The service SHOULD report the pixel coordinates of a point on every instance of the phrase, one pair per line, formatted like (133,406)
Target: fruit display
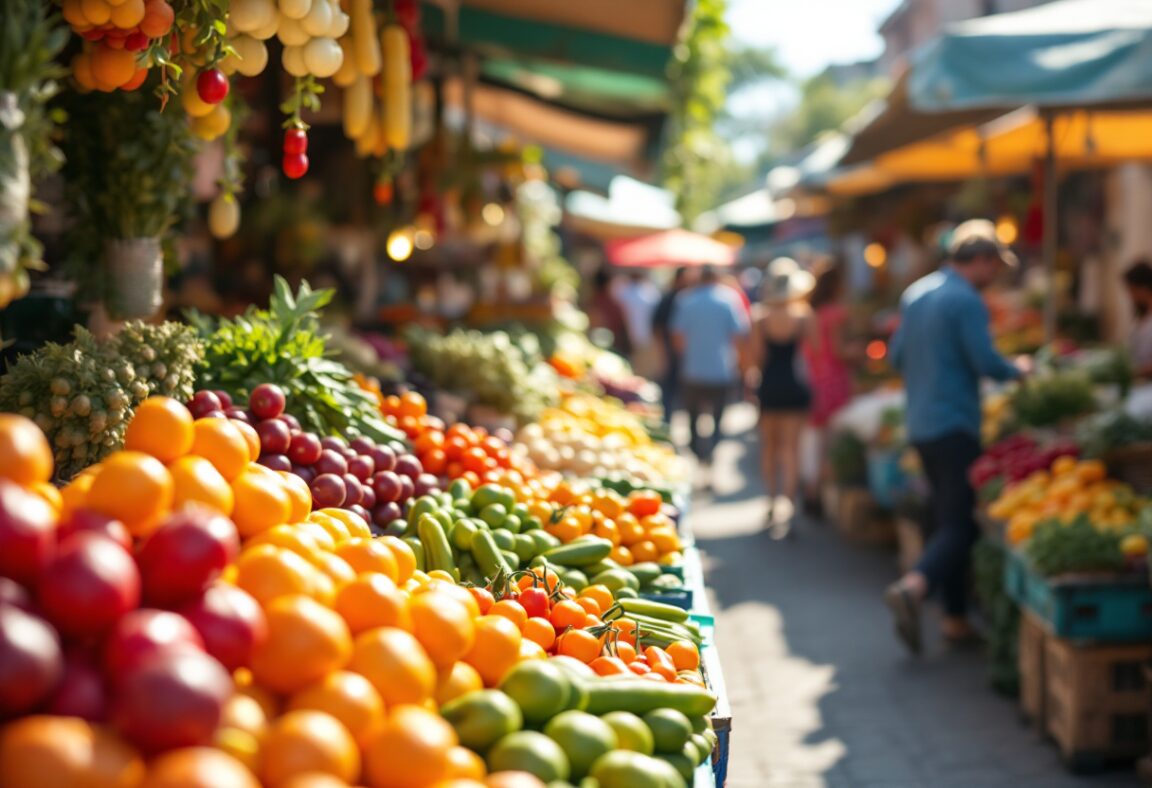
(1014,459)
(1070,491)
(588,436)
(488,369)
(82,394)
(282,345)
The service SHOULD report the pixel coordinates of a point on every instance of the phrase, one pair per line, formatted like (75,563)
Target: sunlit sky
(807,36)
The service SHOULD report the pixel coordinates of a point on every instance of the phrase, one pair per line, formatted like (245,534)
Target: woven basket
(1132,465)
(135,277)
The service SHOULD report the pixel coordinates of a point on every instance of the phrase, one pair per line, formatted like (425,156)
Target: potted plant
(30,38)
(128,168)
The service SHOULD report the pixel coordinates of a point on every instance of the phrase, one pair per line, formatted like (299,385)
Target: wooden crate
(860,520)
(910,540)
(1096,701)
(830,500)
(1031,661)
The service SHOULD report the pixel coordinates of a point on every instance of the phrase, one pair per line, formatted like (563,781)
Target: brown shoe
(905,607)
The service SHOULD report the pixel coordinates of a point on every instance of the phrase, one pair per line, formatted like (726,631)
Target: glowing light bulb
(875,255)
(400,244)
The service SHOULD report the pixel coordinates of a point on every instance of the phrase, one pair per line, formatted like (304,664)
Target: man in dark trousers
(943,349)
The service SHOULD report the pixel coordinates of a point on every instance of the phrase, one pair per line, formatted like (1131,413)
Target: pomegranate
(30,661)
(88,520)
(185,554)
(90,583)
(230,622)
(27,533)
(142,634)
(81,691)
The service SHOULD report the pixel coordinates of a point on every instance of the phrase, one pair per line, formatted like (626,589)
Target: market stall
(413,529)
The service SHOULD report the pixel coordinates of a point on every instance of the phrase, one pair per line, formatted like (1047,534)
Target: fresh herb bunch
(31,37)
(1056,548)
(1047,400)
(1113,430)
(283,345)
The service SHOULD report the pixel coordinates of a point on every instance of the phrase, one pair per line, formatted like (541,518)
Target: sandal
(905,609)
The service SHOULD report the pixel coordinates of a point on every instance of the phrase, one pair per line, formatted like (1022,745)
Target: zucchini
(582,553)
(437,551)
(488,556)
(640,697)
(417,550)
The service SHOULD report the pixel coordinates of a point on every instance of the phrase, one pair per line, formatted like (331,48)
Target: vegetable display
(282,345)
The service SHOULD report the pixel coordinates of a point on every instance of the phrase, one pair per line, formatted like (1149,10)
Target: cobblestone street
(821,694)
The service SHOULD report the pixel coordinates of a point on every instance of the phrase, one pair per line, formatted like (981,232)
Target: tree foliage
(825,105)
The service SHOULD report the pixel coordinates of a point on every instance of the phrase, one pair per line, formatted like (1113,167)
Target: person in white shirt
(1138,279)
(638,297)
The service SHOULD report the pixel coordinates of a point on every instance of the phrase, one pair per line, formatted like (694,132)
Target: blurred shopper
(708,329)
(943,348)
(604,312)
(828,358)
(662,332)
(732,283)
(1138,279)
(638,297)
(782,323)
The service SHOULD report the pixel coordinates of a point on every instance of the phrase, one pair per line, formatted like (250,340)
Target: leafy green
(283,345)
(1047,400)
(1077,547)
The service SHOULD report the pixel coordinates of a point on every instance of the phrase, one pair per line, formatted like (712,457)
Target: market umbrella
(1063,56)
(669,248)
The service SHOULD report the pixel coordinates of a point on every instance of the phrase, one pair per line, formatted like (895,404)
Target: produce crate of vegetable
(1096,705)
(1109,608)
(1030,651)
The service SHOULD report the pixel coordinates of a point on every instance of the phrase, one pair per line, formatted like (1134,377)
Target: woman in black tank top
(782,323)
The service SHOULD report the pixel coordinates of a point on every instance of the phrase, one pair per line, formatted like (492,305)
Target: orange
(336,529)
(456,681)
(25,456)
(298,495)
(313,780)
(195,480)
(261,500)
(665,539)
(630,529)
(396,664)
(222,444)
(567,613)
(269,571)
(44,752)
(349,697)
(540,631)
(412,749)
(465,764)
(112,68)
(684,654)
(530,649)
(198,767)
(405,558)
(496,649)
(443,626)
(412,404)
(306,641)
(356,525)
(317,532)
(367,555)
(590,605)
(305,741)
(250,437)
(300,541)
(161,427)
(74,495)
(645,551)
(133,487)
(517,779)
(511,610)
(269,703)
(372,600)
(601,594)
(127,14)
(337,570)
(578,643)
(448,586)
(607,529)
(566,530)
(158,19)
(50,493)
(244,713)
(96,12)
(622,555)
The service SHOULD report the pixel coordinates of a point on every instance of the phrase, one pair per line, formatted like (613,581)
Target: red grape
(426,484)
(276,462)
(362,467)
(353,490)
(328,490)
(362,445)
(407,465)
(365,515)
(332,443)
(305,448)
(292,422)
(367,495)
(203,402)
(407,489)
(387,487)
(331,462)
(304,472)
(384,458)
(225,399)
(274,436)
(267,401)
(238,414)
(385,513)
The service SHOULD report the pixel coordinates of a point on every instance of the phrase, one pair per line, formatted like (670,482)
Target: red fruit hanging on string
(212,86)
(295,165)
(295,142)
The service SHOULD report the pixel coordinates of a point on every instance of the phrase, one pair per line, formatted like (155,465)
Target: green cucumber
(586,552)
(437,551)
(488,556)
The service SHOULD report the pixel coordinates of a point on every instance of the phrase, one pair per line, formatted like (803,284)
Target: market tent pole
(1051,235)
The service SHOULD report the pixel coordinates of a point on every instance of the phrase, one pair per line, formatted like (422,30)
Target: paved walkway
(820,692)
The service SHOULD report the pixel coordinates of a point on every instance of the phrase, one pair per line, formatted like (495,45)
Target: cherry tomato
(295,165)
(295,141)
(535,602)
(212,85)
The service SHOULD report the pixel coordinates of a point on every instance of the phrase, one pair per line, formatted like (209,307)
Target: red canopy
(669,248)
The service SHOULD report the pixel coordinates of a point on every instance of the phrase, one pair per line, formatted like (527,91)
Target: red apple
(230,622)
(175,699)
(81,691)
(185,554)
(30,661)
(88,520)
(90,583)
(140,635)
(27,533)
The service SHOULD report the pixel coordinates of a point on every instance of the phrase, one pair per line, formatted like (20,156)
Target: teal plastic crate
(681,598)
(1114,609)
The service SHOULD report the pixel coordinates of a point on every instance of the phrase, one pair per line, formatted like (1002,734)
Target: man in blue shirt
(708,328)
(943,349)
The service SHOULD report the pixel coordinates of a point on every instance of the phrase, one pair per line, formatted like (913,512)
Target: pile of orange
(169,459)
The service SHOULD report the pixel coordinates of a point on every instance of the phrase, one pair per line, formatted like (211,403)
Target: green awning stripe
(595,89)
(499,34)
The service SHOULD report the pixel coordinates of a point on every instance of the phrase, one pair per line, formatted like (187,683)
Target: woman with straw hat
(782,322)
